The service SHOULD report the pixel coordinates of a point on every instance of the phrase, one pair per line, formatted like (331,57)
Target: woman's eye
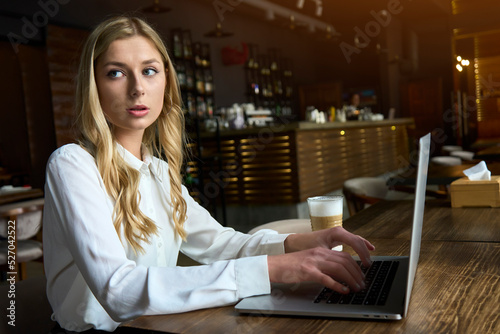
(150,71)
(115,74)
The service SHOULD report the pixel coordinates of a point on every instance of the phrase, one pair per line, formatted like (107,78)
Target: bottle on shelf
(187,51)
(287,78)
(197,53)
(269,81)
(177,43)
(208,79)
(265,82)
(275,73)
(191,104)
(190,79)
(201,107)
(193,66)
(210,106)
(205,55)
(252,75)
(181,73)
(200,81)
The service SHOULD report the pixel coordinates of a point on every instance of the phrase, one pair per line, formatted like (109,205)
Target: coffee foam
(324,206)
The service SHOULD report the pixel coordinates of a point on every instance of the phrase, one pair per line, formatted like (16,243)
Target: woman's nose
(136,86)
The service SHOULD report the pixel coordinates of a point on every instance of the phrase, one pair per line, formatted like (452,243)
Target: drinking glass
(326,212)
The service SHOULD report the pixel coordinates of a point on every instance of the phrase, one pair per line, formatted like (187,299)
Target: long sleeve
(208,241)
(94,280)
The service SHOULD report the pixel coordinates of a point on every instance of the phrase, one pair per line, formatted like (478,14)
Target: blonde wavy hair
(164,138)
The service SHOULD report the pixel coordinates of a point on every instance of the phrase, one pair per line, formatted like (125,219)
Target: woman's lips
(138,110)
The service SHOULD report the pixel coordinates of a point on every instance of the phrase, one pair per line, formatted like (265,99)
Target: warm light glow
(342,132)
(459,67)
(465,62)
(319,9)
(459,58)
(393,128)
(270,15)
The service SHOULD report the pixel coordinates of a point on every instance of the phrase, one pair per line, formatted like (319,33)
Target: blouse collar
(143,166)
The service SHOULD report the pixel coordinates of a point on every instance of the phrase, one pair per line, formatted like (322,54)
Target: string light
(461,63)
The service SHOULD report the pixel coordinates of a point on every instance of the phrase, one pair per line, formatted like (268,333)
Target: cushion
(27,250)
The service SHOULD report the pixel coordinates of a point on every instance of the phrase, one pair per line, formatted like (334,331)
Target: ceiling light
(298,18)
(156,8)
(218,32)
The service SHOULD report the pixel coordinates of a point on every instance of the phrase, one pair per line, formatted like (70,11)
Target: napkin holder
(481,193)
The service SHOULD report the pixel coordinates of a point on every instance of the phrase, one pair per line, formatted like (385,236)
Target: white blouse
(95,280)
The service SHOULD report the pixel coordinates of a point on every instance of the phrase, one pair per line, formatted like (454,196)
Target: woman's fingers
(309,257)
(360,245)
(330,283)
(332,275)
(325,266)
(344,269)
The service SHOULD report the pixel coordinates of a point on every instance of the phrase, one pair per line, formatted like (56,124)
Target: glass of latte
(326,212)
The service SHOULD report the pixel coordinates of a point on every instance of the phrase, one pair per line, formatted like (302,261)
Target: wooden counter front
(285,164)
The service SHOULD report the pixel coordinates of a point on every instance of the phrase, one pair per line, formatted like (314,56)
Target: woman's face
(131,82)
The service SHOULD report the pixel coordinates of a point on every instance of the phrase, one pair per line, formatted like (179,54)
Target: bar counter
(286,163)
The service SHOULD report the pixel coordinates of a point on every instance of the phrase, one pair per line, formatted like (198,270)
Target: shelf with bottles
(269,81)
(194,72)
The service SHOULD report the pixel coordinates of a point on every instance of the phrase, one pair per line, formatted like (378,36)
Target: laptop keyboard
(378,280)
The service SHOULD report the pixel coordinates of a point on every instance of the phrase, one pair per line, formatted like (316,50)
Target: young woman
(116,215)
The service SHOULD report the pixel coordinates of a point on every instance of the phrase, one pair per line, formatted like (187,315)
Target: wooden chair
(464,155)
(446,161)
(362,192)
(19,224)
(447,149)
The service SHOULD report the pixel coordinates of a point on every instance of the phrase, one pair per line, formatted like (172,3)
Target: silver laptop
(386,297)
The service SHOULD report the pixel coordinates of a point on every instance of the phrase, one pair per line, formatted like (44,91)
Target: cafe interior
(267,89)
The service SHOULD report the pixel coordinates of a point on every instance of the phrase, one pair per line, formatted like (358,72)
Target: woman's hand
(309,257)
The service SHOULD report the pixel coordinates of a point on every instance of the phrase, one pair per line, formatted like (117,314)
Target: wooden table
(459,263)
(491,153)
(392,219)
(438,175)
(21,195)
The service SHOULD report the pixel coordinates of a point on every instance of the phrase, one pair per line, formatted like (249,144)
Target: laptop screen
(418,213)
